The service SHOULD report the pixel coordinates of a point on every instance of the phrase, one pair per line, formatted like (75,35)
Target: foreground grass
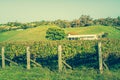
(20,73)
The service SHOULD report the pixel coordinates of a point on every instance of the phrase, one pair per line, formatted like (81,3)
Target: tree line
(86,20)
(83,21)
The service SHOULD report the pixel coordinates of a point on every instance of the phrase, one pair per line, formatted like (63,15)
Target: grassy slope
(25,35)
(38,33)
(112,32)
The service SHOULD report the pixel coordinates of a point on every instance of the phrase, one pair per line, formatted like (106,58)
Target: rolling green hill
(112,32)
(39,33)
(36,34)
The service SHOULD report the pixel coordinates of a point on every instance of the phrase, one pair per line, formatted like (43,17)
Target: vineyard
(75,53)
(42,60)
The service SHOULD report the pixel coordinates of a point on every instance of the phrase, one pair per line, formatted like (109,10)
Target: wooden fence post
(59,58)
(3,57)
(28,58)
(100,58)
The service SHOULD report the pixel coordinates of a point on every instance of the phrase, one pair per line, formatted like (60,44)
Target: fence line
(60,61)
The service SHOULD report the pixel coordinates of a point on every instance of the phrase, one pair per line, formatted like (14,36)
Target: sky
(37,10)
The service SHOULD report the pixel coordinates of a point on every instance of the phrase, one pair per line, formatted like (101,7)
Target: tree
(108,21)
(55,34)
(75,23)
(62,23)
(85,20)
(118,21)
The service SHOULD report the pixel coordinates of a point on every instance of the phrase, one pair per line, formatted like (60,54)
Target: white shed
(82,37)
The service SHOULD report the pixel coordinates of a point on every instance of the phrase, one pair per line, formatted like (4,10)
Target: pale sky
(37,10)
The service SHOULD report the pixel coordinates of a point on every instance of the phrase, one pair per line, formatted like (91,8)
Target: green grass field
(112,32)
(37,73)
(25,35)
(39,33)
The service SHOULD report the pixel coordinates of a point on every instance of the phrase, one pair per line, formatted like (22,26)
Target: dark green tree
(85,20)
(55,34)
(118,21)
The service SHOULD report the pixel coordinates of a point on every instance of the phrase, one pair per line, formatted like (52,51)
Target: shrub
(55,34)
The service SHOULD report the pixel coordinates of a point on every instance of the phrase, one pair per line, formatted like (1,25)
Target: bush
(104,35)
(55,34)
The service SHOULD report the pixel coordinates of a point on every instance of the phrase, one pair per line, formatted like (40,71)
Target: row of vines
(72,51)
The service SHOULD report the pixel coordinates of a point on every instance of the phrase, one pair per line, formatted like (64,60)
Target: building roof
(82,36)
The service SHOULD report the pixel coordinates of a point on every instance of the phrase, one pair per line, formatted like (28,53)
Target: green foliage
(69,48)
(62,23)
(14,26)
(55,34)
